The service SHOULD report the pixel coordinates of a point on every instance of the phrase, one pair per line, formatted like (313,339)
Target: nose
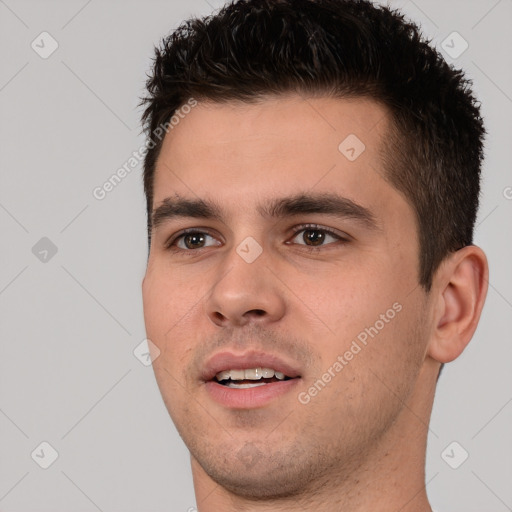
(246,292)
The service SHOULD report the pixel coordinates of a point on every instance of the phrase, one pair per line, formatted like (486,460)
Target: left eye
(315,237)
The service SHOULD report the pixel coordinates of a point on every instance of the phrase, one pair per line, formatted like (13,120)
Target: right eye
(191,240)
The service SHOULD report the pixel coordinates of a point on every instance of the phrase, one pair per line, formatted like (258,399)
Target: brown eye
(194,240)
(313,236)
(316,237)
(189,241)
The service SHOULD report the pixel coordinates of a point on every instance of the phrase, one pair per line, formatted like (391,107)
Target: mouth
(250,377)
(249,380)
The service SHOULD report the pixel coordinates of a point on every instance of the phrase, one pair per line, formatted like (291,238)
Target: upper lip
(230,361)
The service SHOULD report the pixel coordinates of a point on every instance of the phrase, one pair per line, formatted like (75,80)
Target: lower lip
(249,398)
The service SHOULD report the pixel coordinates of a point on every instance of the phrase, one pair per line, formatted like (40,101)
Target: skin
(359,444)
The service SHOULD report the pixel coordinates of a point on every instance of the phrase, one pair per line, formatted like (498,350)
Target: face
(282,290)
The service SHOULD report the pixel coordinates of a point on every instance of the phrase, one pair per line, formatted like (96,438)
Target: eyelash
(170,245)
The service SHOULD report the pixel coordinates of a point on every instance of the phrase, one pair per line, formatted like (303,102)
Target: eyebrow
(326,203)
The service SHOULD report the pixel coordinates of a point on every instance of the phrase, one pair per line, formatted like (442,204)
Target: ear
(460,287)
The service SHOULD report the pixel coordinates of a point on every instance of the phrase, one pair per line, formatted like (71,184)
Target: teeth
(223,375)
(250,374)
(253,373)
(245,386)
(237,374)
(267,373)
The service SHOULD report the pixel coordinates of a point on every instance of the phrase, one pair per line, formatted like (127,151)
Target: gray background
(70,323)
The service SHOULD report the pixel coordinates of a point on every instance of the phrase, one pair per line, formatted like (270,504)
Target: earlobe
(461,284)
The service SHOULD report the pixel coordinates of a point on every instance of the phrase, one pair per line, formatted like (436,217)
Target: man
(312,184)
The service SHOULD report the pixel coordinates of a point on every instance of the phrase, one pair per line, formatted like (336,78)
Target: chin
(252,475)
(261,484)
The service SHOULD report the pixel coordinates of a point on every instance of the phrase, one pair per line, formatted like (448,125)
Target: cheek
(395,343)
(367,312)
(168,305)
(348,298)
(166,310)
(375,365)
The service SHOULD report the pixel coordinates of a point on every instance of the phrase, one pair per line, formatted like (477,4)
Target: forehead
(237,153)
(279,140)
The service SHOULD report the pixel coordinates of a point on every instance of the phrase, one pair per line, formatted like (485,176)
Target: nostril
(238,317)
(258,312)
